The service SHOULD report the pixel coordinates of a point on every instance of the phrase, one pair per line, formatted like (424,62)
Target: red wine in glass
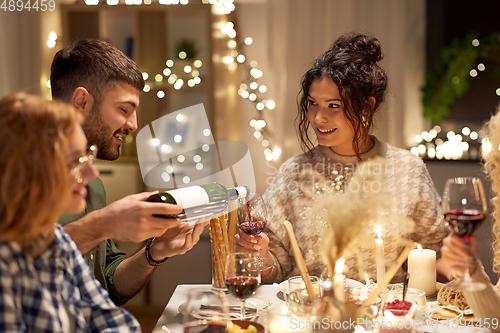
(464,222)
(252,215)
(242,287)
(253,228)
(242,276)
(465,207)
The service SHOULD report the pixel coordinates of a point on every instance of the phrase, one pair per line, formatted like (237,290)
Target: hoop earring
(364,121)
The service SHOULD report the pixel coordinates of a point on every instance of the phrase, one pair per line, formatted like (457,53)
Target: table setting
(237,302)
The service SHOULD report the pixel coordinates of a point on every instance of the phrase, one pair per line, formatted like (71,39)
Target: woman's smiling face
(326,114)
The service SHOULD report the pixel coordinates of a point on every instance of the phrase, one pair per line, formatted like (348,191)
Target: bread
(452,297)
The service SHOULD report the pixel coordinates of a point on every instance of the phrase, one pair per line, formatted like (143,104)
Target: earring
(364,121)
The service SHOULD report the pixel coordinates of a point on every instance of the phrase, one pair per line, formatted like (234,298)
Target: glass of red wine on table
(242,276)
(464,208)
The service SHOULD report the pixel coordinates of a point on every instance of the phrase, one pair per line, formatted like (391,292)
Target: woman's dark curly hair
(351,63)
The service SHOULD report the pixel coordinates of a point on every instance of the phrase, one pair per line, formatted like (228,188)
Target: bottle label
(190,197)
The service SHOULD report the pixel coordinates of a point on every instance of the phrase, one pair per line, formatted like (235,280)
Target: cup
(284,320)
(296,282)
(355,298)
(299,302)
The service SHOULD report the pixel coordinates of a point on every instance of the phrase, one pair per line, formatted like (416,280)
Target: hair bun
(361,44)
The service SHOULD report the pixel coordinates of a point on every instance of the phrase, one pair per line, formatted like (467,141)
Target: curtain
(19,52)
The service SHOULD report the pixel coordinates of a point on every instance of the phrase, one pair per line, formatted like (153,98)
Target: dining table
(170,320)
(268,296)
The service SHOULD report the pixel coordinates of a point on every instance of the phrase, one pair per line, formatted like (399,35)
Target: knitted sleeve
(485,304)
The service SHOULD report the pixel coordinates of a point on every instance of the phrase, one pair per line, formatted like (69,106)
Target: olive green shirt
(105,257)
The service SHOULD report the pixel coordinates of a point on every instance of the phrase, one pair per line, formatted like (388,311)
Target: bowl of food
(413,295)
(244,326)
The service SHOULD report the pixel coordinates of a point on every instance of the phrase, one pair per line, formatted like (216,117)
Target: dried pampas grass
(350,217)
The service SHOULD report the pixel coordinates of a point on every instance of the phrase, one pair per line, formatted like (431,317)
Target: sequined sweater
(287,201)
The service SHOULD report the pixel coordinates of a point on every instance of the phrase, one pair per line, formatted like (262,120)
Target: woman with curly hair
(341,93)
(485,304)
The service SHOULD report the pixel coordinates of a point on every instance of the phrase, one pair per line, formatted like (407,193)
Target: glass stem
(243,309)
(466,278)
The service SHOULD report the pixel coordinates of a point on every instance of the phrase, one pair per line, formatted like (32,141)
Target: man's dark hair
(94,65)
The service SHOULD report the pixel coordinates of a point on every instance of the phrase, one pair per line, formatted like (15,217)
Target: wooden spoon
(299,260)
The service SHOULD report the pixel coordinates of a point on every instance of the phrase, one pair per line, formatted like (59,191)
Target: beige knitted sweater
(287,201)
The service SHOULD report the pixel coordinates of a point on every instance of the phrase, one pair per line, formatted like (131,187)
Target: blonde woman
(45,283)
(485,303)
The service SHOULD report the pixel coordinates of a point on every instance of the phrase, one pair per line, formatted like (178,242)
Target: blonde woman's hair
(33,167)
(492,167)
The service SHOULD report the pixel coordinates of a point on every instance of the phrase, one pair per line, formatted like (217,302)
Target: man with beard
(104,84)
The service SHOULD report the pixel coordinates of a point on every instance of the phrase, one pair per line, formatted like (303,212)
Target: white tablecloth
(171,319)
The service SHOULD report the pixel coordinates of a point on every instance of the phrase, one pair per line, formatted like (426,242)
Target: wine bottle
(199,200)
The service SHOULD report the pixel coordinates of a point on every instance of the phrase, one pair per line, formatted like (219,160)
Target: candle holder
(354,303)
(283,319)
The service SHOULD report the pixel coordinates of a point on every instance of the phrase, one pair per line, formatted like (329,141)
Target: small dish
(350,283)
(251,310)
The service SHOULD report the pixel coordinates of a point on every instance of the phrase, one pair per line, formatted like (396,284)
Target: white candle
(422,269)
(379,254)
(282,320)
(338,281)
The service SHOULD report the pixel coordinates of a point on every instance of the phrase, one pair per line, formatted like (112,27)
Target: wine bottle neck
(238,192)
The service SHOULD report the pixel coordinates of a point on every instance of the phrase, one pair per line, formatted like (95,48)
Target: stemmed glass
(205,311)
(242,276)
(252,219)
(252,214)
(465,209)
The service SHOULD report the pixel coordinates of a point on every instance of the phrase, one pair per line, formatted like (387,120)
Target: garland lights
(469,145)
(186,71)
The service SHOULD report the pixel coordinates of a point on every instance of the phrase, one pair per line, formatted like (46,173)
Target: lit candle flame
(378,230)
(419,247)
(339,266)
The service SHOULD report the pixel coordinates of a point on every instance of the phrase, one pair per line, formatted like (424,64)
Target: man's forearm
(86,233)
(131,274)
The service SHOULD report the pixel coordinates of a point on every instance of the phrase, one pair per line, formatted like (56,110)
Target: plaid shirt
(29,289)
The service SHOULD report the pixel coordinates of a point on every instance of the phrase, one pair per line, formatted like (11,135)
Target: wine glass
(252,214)
(242,276)
(464,209)
(205,311)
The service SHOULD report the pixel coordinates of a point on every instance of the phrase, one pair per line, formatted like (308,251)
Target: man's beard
(99,133)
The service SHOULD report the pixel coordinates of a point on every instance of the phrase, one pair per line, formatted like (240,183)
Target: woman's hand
(456,253)
(247,243)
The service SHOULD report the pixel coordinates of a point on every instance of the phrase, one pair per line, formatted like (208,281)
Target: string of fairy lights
(184,72)
(468,144)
